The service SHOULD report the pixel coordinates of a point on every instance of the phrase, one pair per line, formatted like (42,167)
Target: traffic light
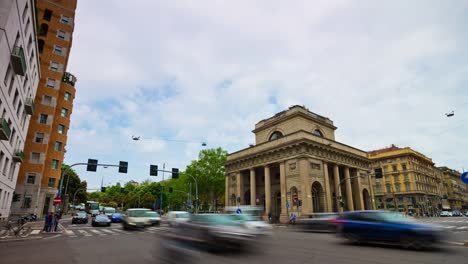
(103,189)
(171,190)
(153,170)
(92,165)
(175,173)
(123,166)
(16,197)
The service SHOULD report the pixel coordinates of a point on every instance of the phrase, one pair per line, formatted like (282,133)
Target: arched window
(43,30)
(40,44)
(317,132)
(276,135)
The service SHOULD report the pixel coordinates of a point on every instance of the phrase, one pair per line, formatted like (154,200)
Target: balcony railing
(29,106)
(5,130)
(18,61)
(18,156)
(69,78)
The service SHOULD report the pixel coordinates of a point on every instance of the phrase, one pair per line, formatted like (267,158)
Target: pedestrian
(56,221)
(46,222)
(50,219)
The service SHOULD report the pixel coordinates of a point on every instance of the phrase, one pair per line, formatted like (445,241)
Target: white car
(175,217)
(255,226)
(446,213)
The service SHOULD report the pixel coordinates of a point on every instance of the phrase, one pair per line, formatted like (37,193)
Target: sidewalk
(35,232)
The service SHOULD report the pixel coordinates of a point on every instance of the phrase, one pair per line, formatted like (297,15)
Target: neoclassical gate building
(296,155)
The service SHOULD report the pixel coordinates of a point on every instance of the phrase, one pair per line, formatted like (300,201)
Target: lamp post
(196,192)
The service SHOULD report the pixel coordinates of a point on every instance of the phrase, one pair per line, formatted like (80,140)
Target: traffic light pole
(161,205)
(196,192)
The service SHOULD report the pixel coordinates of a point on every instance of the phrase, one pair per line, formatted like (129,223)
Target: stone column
(284,211)
(336,178)
(349,192)
(253,188)
(267,190)
(360,201)
(306,196)
(371,193)
(226,199)
(328,194)
(239,187)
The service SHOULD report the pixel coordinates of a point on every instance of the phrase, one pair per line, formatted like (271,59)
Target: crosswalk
(89,232)
(448,224)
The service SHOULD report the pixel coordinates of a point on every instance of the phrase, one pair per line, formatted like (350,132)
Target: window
(389,189)
(5,166)
(54,66)
(61,34)
(15,98)
(51,183)
(317,132)
(403,166)
(65,20)
(25,11)
(7,75)
(31,179)
(50,83)
(47,100)
(67,96)
(47,15)
(19,108)
(395,178)
(406,177)
(12,81)
(61,129)
(394,168)
(276,135)
(43,30)
(36,157)
(397,187)
(58,50)
(43,118)
(55,164)
(58,146)
(40,44)
(27,201)
(2,155)
(39,138)
(64,112)
(385,169)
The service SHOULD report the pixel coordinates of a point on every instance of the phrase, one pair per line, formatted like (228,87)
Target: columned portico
(328,192)
(253,188)
(349,192)
(336,176)
(267,189)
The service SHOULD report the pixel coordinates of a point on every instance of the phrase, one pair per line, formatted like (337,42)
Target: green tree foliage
(74,183)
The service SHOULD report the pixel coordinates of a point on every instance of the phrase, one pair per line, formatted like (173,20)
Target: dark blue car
(116,218)
(387,227)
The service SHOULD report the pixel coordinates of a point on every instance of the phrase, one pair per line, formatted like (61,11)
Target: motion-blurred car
(135,218)
(152,218)
(216,231)
(323,222)
(94,213)
(456,213)
(101,220)
(175,217)
(116,218)
(445,213)
(255,225)
(108,211)
(387,227)
(80,218)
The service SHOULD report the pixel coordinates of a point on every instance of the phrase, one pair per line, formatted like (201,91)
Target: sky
(179,73)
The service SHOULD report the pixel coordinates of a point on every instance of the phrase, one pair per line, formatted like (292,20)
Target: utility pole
(164,168)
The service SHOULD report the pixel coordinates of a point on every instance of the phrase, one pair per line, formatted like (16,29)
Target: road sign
(287,205)
(188,203)
(238,211)
(57,200)
(295,197)
(464,177)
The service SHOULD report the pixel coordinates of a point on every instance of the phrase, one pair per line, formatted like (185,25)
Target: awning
(446,207)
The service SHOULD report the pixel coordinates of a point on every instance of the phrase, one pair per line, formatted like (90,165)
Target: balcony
(29,106)
(18,61)
(69,78)
(5,131)
(18,156)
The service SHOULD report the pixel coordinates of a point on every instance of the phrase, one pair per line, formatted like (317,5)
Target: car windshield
(81,214)
(182,215)
(151,214)
(137,213)
(393,217)
(215,219)
(109,211)
(116,215)
(100,217)
(243,217)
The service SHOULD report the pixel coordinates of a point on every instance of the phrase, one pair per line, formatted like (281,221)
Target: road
(284,246)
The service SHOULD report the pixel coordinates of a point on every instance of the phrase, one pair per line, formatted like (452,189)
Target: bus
(91,205)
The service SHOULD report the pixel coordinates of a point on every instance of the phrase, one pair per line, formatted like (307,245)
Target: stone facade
(296,155)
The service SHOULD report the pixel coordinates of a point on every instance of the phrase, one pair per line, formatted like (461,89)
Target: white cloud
(197,71)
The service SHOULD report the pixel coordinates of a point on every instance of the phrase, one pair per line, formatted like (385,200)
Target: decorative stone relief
(314,166)
(292,166)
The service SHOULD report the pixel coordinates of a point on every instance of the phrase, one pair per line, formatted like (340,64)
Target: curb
(19,239)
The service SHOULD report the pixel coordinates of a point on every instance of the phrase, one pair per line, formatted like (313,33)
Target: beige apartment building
(456,192)
(297,165)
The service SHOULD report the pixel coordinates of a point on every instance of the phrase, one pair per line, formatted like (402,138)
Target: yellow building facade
(406,180)
(456,192)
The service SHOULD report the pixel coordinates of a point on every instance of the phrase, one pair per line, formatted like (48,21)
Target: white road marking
(109,231)
(35,231)
(69,233)
(462,227)
(121,231)
(97,232)
(84,233)
(447,227)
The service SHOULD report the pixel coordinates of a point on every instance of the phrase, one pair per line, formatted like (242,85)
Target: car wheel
(352,237)
(125,227)
(416,243)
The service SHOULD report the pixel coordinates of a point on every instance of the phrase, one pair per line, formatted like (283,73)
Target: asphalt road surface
(284,247)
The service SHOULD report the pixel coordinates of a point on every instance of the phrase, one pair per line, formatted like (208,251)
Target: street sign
(238,211)
(287,205)
(57,200)
(464,177)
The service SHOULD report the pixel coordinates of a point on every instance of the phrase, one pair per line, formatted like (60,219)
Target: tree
(74,184)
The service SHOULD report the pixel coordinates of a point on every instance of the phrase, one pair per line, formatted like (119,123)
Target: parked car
(323,222)
(108,211)
(175,217)
(101,220)
(95,213)
(445,214)
(80,217)
(387,227)
(135,218)
(152,218)
(255,225)
(116,218)
(456,213)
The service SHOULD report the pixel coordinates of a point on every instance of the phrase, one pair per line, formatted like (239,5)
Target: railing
(29,106)
(69,78)
(18,60)
(18,155)
(5,130)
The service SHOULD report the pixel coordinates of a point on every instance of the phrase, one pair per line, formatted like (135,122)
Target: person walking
(56,221)
(49,220)
(46,222)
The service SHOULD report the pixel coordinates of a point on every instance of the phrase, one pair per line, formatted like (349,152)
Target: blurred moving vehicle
(216,231)
(152,218)
(254,223)
(109,211)
(94,213)
(456,213)
(175,217)
(135,218)
(101,220)
(116,218)
(387,227)
(323,222)
(80,217)
(445,213)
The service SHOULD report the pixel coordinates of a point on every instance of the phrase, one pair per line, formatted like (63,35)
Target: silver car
(135,218)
